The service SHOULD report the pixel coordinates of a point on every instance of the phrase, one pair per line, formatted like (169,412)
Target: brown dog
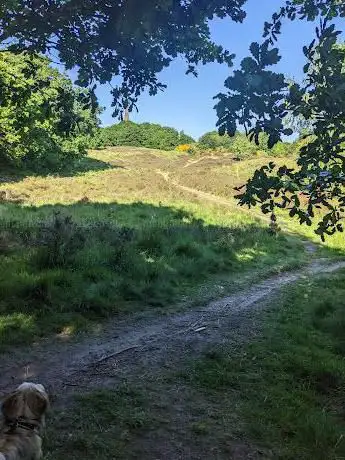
(23,417)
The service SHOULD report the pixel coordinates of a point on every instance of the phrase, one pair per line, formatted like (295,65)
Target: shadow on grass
(65,268)
(10,174)
(86,164)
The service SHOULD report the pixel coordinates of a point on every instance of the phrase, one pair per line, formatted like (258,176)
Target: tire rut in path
(139,344)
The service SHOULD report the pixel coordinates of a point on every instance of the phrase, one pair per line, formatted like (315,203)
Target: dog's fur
(27,405)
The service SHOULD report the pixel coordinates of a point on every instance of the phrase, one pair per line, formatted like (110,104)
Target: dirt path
(198,193)
(211,198)
(131,346)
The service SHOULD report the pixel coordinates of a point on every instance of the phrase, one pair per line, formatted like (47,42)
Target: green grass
(111,236)
(289,381)
(60,272)
(101,425)
(280,396)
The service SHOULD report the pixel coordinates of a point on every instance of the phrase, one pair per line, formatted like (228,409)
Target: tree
(125,115)
(148,135)
(261,100)
(43,118)
(185,139)
(212,140)
(132,40)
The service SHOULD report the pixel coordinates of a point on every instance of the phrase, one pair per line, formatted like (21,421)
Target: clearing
(148,240)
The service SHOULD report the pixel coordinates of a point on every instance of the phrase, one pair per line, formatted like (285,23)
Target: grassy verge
(288,383)
(279,397)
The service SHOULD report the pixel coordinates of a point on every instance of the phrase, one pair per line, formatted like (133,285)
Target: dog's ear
(12,406)
(37,402)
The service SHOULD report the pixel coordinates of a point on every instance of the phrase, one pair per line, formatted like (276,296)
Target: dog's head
(29,401)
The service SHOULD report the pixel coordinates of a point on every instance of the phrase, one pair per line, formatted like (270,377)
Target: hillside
(118,234)
(125,230)
(122,247)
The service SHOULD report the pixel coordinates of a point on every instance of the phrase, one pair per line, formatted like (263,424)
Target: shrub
(59,240)
(185,138)
(240,145)
(213,141)
(124,133)
(159,137)
(44,119)
(184,148)
(281,149)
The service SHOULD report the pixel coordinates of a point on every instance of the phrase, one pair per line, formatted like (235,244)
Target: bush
(281,149)
(240,145)
(214,141)
(44,119)
(185,138)
(124,133)
(185,148)
(59,240)
(159,137)
(148,135)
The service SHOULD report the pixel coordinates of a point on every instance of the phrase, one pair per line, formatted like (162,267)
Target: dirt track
(132,346)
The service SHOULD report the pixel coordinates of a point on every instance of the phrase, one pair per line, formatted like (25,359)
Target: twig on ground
(112,355)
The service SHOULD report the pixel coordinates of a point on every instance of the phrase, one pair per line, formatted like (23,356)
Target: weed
(59,240)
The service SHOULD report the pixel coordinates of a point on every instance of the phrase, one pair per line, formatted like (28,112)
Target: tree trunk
(126,114)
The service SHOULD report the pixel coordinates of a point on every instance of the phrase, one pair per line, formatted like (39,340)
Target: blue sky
(187,103)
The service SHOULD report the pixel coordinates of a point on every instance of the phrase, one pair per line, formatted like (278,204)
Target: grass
(154,420)
(114,238)
(289,381)
(101,425)
(278,397)
(111,236)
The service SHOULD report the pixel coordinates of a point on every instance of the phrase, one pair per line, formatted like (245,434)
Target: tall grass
(65,266)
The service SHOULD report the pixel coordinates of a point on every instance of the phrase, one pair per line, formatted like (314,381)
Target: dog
(23,419)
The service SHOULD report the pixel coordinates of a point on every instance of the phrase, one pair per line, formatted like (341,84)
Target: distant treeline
(148,135)
(155,136)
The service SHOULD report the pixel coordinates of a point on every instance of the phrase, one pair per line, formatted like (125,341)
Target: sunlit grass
(16,327)
(135,240)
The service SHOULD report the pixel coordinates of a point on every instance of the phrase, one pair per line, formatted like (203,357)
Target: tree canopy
(133,40)
(150,135)
(261,100)
(44,119)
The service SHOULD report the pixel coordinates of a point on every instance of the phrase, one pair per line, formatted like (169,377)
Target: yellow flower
(183,147)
